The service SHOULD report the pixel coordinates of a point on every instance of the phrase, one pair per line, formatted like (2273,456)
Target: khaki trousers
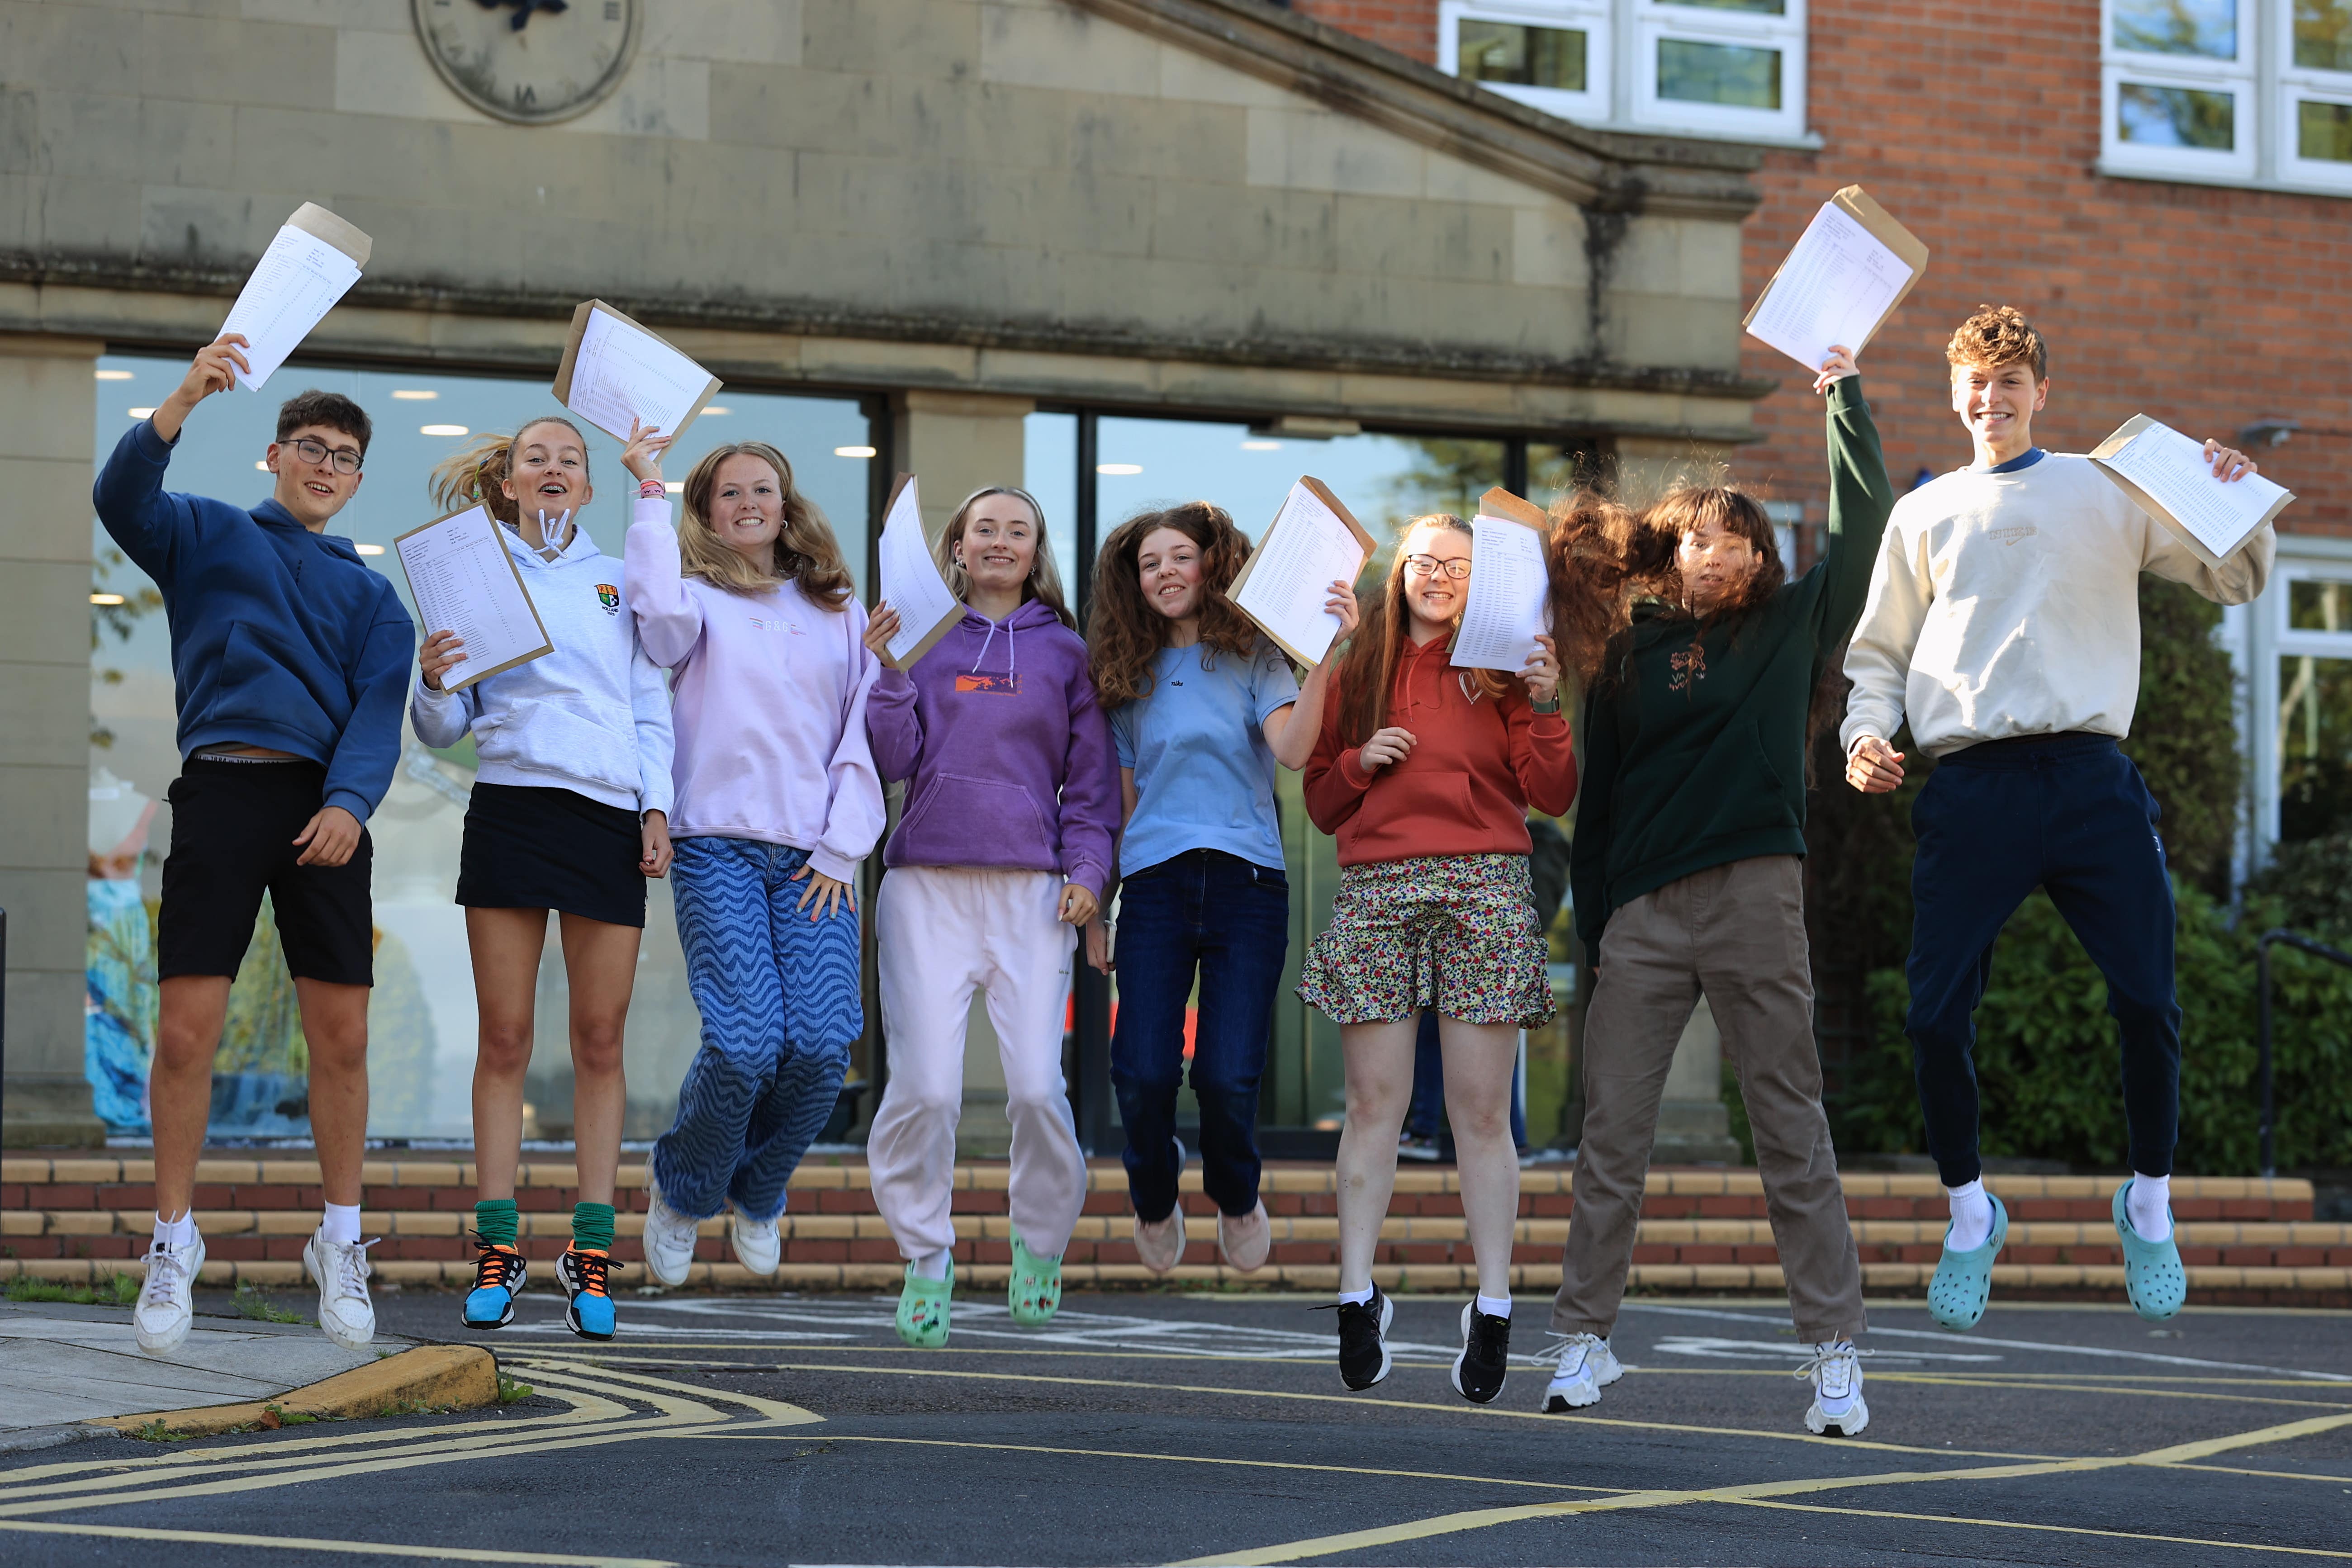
(1735,932)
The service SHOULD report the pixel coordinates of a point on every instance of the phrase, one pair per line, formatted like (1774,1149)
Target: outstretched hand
(212,370)
(1836,368)
(642,456)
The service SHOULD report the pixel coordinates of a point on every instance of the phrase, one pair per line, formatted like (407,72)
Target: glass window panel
(1733,75)
(1758,7)
(2150,116)
(2315,604)
(2205,28)
(1530,57)
(2323,36)
(1049,469)
(1555,470)
(422,1023)
(2323,132)
(2314,746)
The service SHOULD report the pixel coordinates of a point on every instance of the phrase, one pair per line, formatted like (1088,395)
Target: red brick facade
(2206,307)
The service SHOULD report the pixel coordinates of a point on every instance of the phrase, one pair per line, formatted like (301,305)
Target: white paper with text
(464,581)
(1509,590)
(1290,575)
(624,373)
(296,282)
(2174,472)
(911,583)
(1837,285)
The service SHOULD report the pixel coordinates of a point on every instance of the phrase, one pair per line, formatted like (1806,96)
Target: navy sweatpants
(2069,814)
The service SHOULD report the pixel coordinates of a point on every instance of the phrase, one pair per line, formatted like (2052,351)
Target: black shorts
(232,829)
(529,846)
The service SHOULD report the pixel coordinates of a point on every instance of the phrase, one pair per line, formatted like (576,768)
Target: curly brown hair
(1125,633)
(806,550)
(1995,336)
(1602,557)
(1367,669)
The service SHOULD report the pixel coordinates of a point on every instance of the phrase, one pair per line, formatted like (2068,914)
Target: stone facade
(1170,206)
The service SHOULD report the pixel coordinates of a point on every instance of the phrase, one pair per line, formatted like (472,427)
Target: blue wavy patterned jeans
(779,998)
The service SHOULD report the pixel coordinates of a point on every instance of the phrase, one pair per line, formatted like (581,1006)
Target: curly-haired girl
(1203,707)
(778,801)
(1425,772)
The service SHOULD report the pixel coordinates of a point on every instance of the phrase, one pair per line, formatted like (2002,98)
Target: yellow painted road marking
(345,1548)
(1171,1459)
(2051,1529)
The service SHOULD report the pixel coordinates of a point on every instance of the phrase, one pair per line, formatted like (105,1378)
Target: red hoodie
(1464,789)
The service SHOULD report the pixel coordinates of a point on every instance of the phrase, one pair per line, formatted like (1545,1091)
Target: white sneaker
(1160,1243)
(1586,1366)
(1834,1369)
(669,1240)
(340,1269)
(167,1301)
(758,1243)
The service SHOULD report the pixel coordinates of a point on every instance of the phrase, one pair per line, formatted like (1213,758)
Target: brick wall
(2205,307)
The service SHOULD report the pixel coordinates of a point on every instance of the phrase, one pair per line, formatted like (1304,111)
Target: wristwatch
(1546,709)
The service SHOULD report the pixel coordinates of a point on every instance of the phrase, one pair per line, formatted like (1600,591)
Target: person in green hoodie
(1701,663)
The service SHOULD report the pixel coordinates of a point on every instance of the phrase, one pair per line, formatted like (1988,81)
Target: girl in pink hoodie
(999,859)
(750,605)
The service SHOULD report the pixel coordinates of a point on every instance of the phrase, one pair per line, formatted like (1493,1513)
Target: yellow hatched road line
(342,1548)
(2050,1528)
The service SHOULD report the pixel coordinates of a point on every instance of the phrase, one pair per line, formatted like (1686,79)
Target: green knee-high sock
(495,1221)
(592,1227)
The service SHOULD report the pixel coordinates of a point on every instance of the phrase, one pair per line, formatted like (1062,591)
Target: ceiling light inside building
(675,487)
(369,549)
(1307,427)
(1119,470)
(714,408)
(141,413)
(261,463)
(414,394)
(853,451)
(442,430)
(106,598)
(1261,446)
(114,375)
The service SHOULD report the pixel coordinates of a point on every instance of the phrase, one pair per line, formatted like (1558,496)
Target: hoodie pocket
(987,821)
(261,682)
(1414,805)
(540,736)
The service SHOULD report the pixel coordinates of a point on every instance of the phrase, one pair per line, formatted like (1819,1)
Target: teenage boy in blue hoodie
(290,659)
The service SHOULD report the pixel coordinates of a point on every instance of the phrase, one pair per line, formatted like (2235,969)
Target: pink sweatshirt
(770,706)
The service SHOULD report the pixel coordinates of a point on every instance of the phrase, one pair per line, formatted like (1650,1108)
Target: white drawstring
(551,540)
(991,637)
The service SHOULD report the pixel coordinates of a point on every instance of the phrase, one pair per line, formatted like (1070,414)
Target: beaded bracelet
(651,489)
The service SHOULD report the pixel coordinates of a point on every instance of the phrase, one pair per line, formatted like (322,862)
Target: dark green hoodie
(1695,752)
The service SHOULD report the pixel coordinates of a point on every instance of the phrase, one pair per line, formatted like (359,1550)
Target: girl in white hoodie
(568,813)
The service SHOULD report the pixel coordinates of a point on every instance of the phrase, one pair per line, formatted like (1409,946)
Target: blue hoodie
(281,638)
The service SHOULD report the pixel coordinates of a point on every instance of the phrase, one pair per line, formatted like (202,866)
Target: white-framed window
(1733,69)
(2298,661)
(2315,95)
(2233,91)
(1554,56)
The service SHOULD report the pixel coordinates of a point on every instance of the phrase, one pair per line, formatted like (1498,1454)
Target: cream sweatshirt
(2008,604)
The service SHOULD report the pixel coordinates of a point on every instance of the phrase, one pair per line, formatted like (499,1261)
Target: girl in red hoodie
(1424,774)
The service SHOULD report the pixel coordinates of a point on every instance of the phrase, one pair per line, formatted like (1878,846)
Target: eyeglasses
(347,458)
(1423,566)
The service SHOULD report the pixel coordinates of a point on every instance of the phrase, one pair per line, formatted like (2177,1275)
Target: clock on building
(530,61)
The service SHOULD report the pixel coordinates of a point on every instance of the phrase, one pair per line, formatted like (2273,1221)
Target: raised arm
(2239,579)
(1861,498)
(1292,724)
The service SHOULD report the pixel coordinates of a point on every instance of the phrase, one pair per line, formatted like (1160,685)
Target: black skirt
(532,849)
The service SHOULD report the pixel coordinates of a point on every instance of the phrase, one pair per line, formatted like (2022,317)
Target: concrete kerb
(429,1378)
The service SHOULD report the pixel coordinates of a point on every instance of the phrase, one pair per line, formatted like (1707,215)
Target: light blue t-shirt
(1203,772)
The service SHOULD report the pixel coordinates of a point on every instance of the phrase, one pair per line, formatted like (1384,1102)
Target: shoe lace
(1836,1362)
(347,1267)
(495,1263)
(589,1269)
(1569,1352)
(166,1268)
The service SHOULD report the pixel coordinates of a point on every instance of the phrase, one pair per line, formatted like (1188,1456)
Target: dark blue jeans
(1229,921)
(2068,814)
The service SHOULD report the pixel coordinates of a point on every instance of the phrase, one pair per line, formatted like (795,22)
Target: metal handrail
(2263,1035)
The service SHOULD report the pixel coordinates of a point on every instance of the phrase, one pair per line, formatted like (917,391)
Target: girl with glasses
(1425,774)
(568,813)
(1203,709)
(1001,853)
(749,605)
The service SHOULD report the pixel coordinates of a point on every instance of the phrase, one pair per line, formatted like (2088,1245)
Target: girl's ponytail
(476,472)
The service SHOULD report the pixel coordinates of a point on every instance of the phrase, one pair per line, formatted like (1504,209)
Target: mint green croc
(2153,1277)
(1963,1281)
(1034,1290)
(923,1308)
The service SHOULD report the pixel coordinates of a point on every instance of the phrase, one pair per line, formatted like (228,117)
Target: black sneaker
(1485,1357)
(1363,1340)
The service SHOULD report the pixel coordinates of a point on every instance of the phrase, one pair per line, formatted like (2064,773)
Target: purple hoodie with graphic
(1007,753)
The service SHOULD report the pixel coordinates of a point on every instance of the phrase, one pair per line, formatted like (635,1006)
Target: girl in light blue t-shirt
(1201,708)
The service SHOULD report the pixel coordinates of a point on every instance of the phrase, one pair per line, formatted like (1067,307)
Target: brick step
(2210,1286)
(255,1236)
(1291,1189)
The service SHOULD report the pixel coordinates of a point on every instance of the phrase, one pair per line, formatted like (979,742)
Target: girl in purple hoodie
(999,859)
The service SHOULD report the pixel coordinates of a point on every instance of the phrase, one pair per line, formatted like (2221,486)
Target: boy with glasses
(2004,621)
(290,657)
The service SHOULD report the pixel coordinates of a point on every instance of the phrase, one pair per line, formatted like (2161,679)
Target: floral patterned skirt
(1456,933)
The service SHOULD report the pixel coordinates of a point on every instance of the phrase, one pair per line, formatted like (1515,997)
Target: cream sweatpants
(941,933)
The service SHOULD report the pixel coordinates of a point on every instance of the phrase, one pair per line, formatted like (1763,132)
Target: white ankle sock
(342,1225)
(1494,1306)
(934,1266)
(2149,1207)
(1971,1216)
(1356,1298)
(176,1233)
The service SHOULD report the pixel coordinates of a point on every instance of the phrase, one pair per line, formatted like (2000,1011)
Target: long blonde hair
(806,552)
(478,471)
(1044,580)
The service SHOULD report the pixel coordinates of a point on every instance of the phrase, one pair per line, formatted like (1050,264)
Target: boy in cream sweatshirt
(2004,621)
